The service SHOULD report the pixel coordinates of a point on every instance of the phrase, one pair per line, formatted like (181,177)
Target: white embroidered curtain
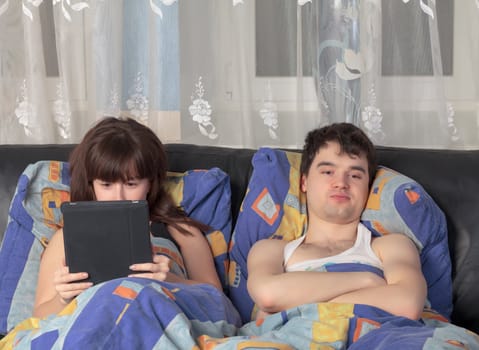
(242,73)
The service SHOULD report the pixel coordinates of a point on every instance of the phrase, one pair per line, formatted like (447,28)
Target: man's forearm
(398,299)
(273,293)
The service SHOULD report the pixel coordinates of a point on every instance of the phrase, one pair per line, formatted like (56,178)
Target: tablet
(104,238)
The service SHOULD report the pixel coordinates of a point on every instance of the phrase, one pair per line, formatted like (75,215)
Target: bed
(134,313)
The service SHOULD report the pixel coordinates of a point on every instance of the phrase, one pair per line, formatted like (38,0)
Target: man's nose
(341,180)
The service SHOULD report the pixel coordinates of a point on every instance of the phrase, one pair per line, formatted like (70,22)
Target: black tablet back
(104,238)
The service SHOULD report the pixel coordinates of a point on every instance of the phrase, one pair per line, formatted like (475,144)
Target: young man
(337,167)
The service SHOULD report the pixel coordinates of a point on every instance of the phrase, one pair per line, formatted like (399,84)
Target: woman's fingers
(69,291)
(63,275)
(158,269)
(66,285)
(157,259)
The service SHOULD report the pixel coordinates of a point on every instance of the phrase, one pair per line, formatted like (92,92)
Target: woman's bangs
(112,168)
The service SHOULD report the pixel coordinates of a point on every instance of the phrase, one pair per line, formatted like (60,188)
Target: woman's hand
(66,285)
(157,270)
(262,314)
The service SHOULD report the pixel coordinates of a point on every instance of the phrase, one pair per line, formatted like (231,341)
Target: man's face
(336,185)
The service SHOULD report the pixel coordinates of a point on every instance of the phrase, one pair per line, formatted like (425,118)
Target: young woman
(121,159)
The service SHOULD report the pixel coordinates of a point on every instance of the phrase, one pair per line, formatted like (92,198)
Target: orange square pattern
(265,207)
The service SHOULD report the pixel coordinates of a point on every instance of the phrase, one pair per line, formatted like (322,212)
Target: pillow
(398,204)
(205,195)
(35,215)
(274,207)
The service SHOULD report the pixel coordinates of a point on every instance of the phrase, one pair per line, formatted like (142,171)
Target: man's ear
(302,183)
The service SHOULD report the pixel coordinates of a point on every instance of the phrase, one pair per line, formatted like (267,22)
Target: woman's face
(134,189)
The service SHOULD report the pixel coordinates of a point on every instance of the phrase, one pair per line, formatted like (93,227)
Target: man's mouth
(340,197)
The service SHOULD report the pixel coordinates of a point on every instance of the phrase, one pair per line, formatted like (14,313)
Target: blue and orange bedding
(135,313)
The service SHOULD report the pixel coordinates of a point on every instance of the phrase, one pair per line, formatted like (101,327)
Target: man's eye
(356,176)
(326,172)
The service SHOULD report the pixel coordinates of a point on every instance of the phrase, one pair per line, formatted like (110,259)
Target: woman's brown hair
(121,149)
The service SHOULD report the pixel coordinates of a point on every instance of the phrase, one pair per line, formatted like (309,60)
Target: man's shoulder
(271,242)
(392,242)
(268,245)
(392,237)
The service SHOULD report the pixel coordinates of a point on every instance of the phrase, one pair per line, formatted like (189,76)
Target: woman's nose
(119,192)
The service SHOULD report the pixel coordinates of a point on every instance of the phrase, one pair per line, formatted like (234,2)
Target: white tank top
(360,253)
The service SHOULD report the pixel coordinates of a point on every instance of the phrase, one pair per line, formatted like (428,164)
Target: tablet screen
(103,238)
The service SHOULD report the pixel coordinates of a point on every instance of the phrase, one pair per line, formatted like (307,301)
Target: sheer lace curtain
(242,73)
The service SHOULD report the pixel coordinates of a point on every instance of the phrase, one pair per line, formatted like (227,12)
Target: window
(77,67)
(48,39)
(276,24)
(413,31)
(275,66)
